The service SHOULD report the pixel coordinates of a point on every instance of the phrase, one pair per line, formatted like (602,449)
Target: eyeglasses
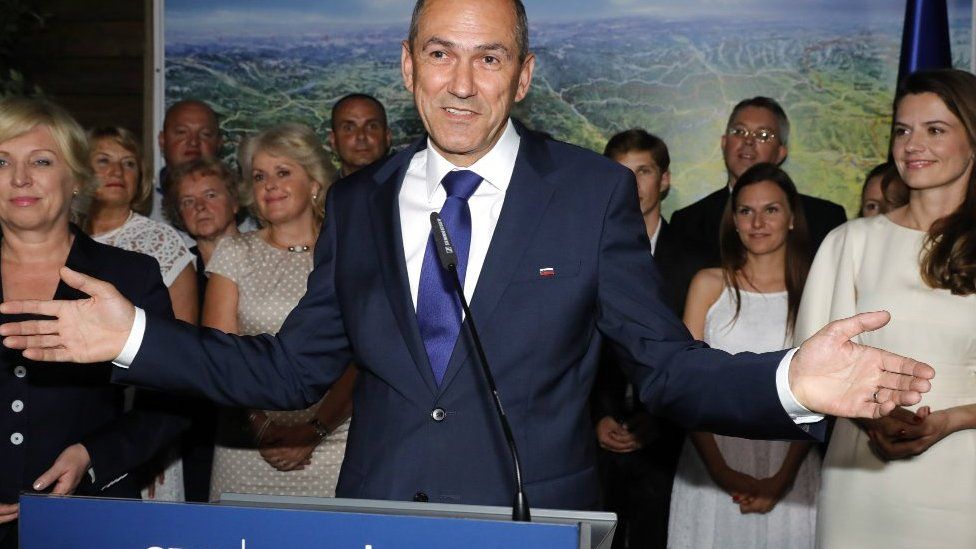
(761,135)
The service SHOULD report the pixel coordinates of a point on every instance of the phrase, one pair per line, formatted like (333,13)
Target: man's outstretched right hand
(82,330)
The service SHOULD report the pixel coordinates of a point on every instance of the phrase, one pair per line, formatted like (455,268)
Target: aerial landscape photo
(640,63)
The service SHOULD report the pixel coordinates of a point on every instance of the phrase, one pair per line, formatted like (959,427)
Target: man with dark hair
(639,451)
(555,260)
(360,134)
(757,131)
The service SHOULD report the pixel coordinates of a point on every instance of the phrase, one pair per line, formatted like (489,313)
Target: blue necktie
(438,308)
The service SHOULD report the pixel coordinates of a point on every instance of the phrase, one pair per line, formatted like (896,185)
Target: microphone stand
(448,258)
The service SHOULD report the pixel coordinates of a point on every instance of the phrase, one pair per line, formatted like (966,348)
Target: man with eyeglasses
(758,131)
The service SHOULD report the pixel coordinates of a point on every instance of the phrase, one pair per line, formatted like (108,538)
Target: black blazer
(63,404)
(699,223)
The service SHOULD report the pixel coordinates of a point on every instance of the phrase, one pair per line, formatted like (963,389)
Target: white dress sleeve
(830,292)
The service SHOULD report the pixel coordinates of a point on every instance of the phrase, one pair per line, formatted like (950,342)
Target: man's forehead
(755,116)
(191,115)
(358,108)
(468,24)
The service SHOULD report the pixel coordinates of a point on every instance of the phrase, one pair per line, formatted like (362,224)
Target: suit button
(16,439)
(438,414)
(420,497)
(17,405)
(20,371)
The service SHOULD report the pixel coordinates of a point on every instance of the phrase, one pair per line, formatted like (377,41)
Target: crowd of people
(754,266)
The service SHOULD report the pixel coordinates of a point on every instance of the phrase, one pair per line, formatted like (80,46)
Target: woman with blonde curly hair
(256,279)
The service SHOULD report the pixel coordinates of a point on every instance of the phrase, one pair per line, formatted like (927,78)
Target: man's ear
(665,183)
(781,154)
(406,65)
(525,77)
(331,139)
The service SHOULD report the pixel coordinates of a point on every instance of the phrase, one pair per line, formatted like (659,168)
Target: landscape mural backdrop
(603,66)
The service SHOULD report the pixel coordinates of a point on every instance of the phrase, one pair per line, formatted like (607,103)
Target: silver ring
(874,397)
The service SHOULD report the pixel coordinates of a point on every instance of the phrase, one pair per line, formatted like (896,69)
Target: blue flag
(925,40)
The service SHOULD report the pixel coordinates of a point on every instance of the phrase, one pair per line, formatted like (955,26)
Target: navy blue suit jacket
(567,209)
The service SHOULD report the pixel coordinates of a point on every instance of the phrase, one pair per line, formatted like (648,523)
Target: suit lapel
(526,201)
(385,220)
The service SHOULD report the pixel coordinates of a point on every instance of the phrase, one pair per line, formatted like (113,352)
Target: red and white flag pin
(546,272)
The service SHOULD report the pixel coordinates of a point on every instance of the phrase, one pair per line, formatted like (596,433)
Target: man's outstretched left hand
(832,375)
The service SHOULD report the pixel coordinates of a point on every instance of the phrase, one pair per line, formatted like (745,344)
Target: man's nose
(462,81)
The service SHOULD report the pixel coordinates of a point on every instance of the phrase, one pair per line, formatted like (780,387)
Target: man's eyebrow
(494,46)
(435,41)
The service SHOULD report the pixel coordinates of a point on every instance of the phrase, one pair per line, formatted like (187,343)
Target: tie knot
(461,183)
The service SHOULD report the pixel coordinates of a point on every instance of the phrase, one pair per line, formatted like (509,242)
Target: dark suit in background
(637,485)
(566,209)
(197,443)
(700,222)
(63,404)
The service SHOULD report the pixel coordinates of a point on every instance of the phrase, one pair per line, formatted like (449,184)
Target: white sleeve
(133,342)
(797,412)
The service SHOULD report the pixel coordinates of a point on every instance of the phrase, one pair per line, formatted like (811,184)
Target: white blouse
(155,239)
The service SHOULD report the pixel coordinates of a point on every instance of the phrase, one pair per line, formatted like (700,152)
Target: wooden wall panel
(90,57)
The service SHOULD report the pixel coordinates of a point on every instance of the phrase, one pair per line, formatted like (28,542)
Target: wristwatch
(321,430)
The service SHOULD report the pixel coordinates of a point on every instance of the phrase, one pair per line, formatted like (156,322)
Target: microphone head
(442,241)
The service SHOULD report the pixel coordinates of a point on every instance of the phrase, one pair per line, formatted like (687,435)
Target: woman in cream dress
(256,279)
(910,480)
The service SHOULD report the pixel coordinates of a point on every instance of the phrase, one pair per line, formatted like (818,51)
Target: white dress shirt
(657,233)
(422,193)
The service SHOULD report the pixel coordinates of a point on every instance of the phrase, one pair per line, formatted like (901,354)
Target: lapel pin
(546,272)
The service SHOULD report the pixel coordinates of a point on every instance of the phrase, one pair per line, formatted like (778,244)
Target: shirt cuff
(134,341)
(797,412)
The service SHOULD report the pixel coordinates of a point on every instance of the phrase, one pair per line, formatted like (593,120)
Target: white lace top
(155,239)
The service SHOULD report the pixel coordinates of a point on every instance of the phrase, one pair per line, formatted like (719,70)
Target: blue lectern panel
(64,522)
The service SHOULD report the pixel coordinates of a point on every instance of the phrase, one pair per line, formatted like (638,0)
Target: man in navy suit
(556,262)
(758,131)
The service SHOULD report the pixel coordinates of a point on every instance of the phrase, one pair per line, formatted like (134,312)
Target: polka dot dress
(270,282)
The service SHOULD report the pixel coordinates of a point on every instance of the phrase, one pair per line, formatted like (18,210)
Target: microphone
(449,260)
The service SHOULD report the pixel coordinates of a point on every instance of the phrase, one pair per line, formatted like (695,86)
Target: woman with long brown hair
(731,491)
(909,480)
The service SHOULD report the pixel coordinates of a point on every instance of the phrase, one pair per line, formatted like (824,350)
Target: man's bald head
(521,26)
(190,131)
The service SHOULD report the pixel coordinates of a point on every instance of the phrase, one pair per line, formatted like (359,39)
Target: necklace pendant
(299,249)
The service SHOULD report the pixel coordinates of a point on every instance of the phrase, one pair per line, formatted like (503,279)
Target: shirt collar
(495,168)
(657,233)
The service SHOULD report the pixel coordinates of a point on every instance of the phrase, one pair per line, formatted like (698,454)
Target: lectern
(266,522)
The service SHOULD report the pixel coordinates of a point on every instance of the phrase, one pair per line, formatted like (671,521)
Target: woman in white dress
(909,480)
(733,492)
(256,279)
(114,219)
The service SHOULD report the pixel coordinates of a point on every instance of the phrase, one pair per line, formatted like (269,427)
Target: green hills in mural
(678,79)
